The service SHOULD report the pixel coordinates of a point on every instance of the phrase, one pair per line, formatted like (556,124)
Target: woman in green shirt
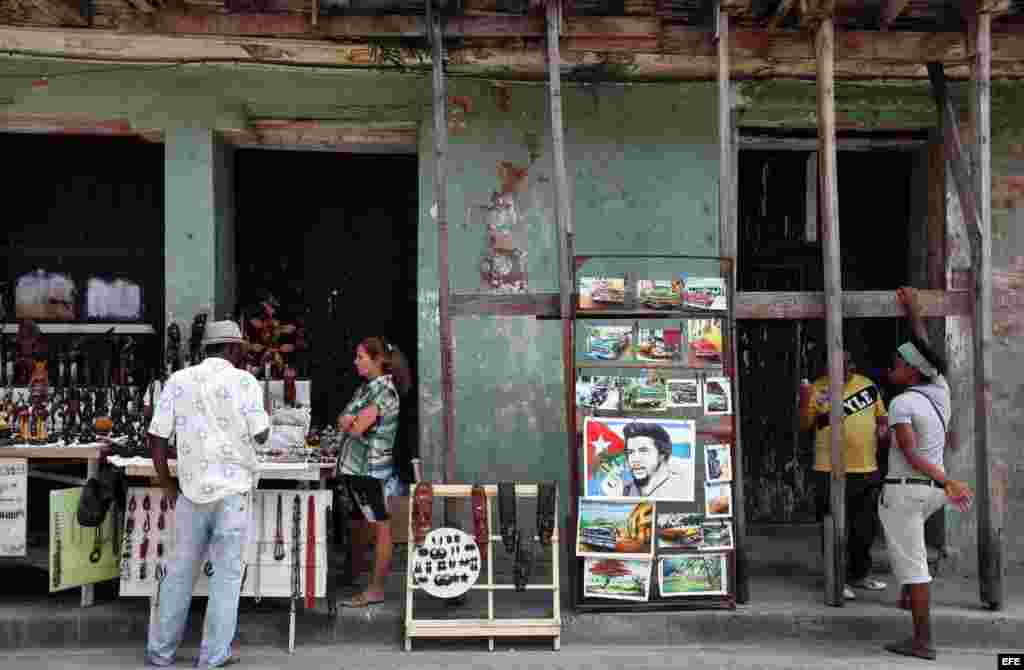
(366,465)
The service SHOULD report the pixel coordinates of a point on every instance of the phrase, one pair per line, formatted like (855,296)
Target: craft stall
(64,390)
(63,404)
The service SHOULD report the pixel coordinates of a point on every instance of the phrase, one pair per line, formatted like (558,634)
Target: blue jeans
(223,527)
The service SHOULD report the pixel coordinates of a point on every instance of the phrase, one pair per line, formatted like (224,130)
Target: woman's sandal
(907,648)
(361,600)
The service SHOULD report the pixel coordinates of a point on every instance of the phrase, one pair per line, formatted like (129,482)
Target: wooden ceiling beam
(639,53)
(58,12)
(890,10)
(71,124)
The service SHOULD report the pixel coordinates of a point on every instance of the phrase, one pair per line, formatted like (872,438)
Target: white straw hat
(222,332)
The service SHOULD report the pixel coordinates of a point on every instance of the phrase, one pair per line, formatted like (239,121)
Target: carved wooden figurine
(38,395)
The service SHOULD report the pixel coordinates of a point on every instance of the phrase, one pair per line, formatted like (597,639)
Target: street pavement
(446,656)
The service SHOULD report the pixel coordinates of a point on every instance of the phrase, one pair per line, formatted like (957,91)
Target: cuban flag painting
(658,463)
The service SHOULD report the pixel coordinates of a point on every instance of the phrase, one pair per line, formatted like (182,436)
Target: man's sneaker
(868,584)
(848,593)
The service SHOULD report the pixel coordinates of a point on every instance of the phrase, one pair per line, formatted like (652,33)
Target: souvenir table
(37,455)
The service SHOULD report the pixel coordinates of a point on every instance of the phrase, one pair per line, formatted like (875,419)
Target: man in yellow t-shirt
(865,421)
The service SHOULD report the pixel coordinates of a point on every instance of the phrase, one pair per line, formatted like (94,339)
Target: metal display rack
(707,430)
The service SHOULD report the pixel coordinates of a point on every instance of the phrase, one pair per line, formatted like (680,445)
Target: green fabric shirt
(372,454)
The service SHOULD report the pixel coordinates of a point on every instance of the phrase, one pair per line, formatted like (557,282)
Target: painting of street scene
(602,292)
(693,575)
(716,535)
(680,531)
(618,529)
(617,579)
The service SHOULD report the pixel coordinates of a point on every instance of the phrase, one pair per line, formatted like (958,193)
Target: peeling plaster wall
(1008,340)
(643,173)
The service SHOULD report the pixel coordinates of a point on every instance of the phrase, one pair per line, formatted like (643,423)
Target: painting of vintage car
(646,396)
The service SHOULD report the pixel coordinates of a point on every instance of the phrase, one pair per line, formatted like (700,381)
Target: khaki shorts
(903,509)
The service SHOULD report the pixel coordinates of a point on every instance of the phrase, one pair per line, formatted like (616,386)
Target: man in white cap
(216,411)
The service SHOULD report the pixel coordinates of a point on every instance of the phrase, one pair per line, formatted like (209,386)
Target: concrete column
(199,225)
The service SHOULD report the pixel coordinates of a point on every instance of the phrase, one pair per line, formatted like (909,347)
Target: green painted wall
(192,257)
(643,172)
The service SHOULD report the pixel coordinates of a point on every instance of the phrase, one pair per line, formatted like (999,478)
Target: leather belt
(311,554)
(912,480)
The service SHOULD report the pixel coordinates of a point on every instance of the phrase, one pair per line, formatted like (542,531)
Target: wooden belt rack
(488,627)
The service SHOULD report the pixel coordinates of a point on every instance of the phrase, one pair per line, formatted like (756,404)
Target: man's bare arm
(908,297)
(158,448)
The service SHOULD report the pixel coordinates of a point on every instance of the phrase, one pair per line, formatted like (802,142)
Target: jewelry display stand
(489,627)
(276,557)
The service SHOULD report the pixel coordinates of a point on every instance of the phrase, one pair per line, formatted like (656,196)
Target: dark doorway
(779,249)
(334,237)
(89,210)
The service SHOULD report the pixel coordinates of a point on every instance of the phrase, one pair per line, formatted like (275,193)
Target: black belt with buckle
(910,480)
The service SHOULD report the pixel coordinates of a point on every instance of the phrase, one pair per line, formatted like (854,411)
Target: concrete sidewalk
(786,605)
(782,609)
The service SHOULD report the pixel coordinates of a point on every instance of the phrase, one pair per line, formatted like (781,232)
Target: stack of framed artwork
(654,513)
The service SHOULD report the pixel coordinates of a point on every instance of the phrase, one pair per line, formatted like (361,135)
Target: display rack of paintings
(654,515)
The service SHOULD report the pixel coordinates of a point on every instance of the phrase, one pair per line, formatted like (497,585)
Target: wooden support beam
(325,135)
(727,237)
(991,563)
(855,304)
(955,154)
(889,11)
(563,221)
(68,124)
(60,12)
(1007,302)
(773,305)
(440,212)
(830,249)
(664,52)
(842,144)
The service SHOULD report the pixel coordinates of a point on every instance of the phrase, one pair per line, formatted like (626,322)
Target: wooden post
(563,217)
(829,198)
(441,207)
(991,566)
(976,205)
(727,243)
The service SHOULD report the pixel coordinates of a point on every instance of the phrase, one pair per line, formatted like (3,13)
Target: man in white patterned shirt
(215,410)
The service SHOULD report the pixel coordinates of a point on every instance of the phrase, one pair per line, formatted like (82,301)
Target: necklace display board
(452,573)
(285,555)
(652,452)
